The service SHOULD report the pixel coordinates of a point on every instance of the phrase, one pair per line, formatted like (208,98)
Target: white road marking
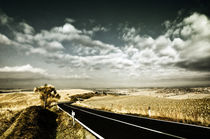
(156,131)
(166,121)
(90,130)
(154,119)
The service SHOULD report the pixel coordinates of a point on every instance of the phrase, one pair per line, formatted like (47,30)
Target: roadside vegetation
(33,122)
(22,115)
(47,95)
(66,130)
(81,97)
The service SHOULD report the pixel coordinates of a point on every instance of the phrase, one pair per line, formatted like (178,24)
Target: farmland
(181,105)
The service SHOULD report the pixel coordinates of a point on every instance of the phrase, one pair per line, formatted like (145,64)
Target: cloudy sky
(104,44)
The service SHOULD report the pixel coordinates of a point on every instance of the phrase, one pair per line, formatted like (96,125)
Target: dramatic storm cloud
(82,51)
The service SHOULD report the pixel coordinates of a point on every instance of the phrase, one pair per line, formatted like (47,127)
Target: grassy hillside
(66,130)
(33,122)
(22,117)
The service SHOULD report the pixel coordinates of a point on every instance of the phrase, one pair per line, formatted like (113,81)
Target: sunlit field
(12,104)
(182,107)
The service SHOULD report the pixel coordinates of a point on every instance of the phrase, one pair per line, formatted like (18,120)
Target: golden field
(12,104)
(190,107)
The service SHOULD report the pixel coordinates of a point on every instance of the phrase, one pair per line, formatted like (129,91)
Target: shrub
(48,94)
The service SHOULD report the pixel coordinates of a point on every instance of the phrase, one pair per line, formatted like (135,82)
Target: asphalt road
(117,126)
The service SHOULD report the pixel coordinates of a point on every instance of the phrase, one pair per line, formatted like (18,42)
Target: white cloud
(55,45)
(40,51)
(196,32)
(88,32)
(140,58)
(99,28)
(72,76)
(189,42)
(69,33)
(50,45)
(186,31)
(69,20)
(178,44)
(66,28)
(24,68)
(94,30)
(198,24)
(4,19)
(167,24)
(27,29)
(23,38)
(4,40)
(161,42)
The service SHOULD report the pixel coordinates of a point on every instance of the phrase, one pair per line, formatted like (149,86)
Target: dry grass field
(13,104)
(186,107)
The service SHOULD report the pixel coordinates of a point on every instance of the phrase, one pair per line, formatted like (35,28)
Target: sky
(104,44)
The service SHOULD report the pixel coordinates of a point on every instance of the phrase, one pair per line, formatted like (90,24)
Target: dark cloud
(21,76)
(197,65)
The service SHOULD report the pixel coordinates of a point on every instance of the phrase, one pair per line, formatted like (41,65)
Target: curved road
(117,126)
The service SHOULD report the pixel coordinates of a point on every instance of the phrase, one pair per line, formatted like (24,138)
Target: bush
(48,95)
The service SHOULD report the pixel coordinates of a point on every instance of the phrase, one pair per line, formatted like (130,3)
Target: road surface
(117,126)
